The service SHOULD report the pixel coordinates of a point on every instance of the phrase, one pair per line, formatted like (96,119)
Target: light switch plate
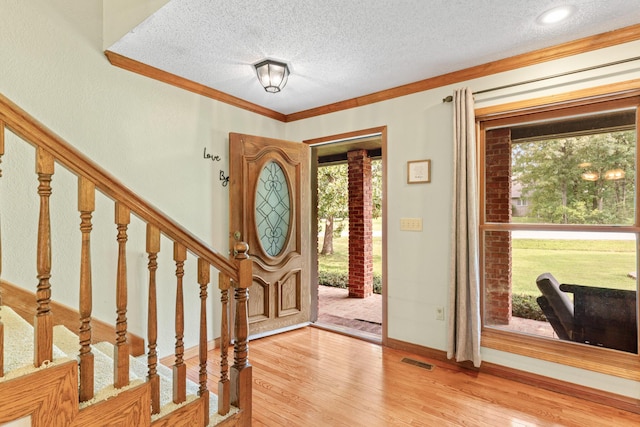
(411,224)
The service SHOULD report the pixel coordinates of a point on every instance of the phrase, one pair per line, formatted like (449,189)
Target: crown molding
(186,84)
(587,44)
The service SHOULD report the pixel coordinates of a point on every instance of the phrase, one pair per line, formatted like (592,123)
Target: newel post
(241,381)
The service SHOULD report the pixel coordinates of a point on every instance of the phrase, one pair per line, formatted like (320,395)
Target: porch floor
(364,315)
(356,314)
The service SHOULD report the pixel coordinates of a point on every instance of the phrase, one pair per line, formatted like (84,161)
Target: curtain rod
(540,79)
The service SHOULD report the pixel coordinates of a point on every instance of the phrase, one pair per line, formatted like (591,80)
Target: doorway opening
(348,185)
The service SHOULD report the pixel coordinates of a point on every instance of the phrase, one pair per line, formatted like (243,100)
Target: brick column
(497,244)
(360,225)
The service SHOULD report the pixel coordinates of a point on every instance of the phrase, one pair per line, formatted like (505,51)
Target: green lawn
(339,261)
(603,263)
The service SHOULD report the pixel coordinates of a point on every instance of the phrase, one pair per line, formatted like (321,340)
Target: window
(559,231)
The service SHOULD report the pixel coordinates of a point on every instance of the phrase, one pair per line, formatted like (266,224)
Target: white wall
(151,136)
(420,127)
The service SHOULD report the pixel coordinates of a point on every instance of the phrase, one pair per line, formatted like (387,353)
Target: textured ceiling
(342,49)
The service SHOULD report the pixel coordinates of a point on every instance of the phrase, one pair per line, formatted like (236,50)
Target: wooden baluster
(179,368)
(224,283)
(203,280)
(241,369)
(153,247)
(43,321)
(121,350)
(1,324)
(86,206)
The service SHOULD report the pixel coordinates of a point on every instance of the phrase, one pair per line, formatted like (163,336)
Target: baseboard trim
(191,352)
(23,302)
(613,400)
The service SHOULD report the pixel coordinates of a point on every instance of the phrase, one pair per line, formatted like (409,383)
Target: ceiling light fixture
(273,75)
(555,15)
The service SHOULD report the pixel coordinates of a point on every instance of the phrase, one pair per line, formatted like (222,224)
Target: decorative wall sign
(418,171)
(213,158)
(224,179)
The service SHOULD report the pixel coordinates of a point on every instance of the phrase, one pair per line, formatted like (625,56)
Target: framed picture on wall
(418,171)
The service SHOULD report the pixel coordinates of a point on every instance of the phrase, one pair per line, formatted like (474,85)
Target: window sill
(596,359)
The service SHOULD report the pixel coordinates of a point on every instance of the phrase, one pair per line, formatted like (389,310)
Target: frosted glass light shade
(273,75)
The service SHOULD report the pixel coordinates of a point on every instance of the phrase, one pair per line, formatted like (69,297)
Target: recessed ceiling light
(555,15)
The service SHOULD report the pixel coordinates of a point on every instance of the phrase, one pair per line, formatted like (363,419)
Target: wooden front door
(270,210)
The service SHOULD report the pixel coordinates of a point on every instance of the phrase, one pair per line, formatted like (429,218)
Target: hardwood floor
(312,377)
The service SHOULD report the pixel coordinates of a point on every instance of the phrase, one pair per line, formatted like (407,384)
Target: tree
(333,198)
(569,181)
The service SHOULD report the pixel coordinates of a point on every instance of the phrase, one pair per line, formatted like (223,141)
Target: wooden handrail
(50,149)
(32,131)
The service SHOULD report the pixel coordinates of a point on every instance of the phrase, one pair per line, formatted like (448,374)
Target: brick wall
(497,244)
(360,225)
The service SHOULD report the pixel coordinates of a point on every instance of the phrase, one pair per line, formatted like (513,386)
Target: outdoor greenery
(588,262)
(333,199)
(333,269)
(526,306)
(340,279)
(604,263)
(578,180)
(565,181)
(338,262)
(584,179)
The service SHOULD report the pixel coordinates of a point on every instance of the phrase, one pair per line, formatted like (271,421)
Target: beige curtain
(464,286)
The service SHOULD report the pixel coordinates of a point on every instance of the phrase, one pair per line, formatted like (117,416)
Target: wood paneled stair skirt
(23,376)
(56,372)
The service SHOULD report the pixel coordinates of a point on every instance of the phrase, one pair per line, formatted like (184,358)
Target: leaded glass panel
(273,211)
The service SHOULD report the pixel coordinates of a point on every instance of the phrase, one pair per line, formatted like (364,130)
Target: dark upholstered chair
(556,306)
(601,317)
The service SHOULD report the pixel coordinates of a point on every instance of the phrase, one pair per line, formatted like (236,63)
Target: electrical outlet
(411,224)
(440,313)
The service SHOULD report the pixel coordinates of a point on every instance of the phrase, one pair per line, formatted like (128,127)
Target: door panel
(270,210)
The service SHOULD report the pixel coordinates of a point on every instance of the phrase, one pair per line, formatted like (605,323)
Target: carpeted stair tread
(165,373)
(69,342)
(18,347)
(18,341)
(141,369)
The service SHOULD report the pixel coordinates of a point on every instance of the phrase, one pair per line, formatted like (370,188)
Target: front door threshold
(354,333)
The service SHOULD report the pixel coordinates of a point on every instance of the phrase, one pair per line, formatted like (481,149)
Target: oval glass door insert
(273,208)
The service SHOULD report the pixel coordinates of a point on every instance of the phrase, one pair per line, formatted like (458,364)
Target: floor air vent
(423,365)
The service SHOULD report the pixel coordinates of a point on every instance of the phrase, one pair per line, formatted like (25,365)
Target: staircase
(57,375)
